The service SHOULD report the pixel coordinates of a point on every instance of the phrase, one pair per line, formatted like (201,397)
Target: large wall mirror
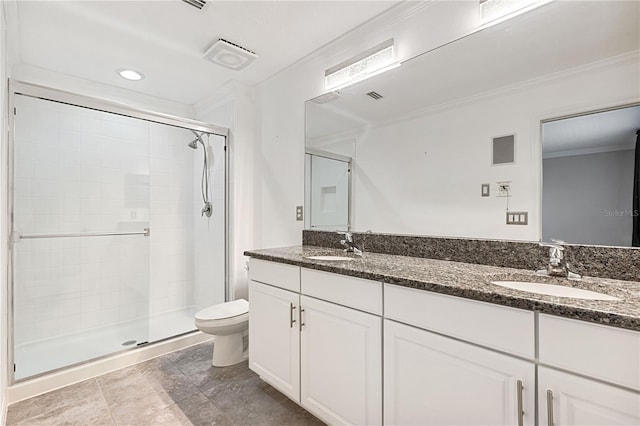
(425,141)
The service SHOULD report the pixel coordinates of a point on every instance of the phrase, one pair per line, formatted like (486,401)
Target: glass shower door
(80,234)
(329,193)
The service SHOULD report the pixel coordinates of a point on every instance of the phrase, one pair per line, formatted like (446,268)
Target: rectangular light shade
(361,66)
(496,9)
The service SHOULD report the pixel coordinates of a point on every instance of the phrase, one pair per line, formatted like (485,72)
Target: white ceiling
(588,134)
(166,39)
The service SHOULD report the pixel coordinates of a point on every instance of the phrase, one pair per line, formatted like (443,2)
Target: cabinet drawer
(603,352)
(357,293)
(276,274)
(499,327)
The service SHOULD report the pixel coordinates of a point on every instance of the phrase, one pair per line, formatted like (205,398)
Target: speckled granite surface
(593,261)
(473,281)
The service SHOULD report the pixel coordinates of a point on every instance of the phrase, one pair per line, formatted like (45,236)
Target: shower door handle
(16,236)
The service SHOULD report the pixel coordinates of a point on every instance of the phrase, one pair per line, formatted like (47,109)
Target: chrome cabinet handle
(519,388)
(549,408)
(301,322)
(291,315)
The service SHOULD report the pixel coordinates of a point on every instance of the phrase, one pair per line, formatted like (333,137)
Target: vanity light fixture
(371,62)
(495,11)
(130,74)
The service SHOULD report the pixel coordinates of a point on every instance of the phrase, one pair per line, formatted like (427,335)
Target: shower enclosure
(111,246)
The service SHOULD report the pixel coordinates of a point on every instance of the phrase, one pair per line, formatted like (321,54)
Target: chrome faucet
(557,266)
(347,243)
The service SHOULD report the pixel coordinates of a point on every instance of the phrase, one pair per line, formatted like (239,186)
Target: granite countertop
(473,281)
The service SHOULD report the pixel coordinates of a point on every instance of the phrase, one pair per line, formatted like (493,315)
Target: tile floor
(181,388)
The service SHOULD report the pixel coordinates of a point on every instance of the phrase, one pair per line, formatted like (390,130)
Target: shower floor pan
(35,358)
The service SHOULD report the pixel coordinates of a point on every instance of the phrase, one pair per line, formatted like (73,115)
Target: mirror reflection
(588,169)
(421,137)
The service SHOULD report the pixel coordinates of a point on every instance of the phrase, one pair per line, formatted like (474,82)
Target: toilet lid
(224,310)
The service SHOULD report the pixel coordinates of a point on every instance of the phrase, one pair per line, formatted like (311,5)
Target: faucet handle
(348,236)
(555,253)
(552,246)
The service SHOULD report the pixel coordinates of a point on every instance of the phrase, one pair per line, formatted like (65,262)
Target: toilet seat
(228,313)
(223,310)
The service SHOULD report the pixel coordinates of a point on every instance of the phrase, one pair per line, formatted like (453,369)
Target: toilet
(229,322)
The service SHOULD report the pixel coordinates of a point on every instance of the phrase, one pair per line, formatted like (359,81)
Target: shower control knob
(207,210)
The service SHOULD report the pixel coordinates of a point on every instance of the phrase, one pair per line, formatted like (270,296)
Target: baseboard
(69,376)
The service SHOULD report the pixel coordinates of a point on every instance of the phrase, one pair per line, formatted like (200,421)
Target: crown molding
(587,151)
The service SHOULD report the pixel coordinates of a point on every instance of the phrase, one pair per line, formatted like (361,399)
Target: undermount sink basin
(554,290)
(334,258)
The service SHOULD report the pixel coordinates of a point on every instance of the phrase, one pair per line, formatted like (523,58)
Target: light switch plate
(503,188)
(299,213)
(486,190)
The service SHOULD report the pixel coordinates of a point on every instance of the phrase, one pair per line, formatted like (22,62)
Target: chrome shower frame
(55,95)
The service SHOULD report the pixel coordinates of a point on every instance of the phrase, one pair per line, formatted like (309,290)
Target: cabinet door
(341,371)
(579,401)
(433,380)
(274,337)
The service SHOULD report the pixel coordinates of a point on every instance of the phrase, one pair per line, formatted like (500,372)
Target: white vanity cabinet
(566,399)
(609,357)
(274,337)
(323,340)
(324,354)
(434,380)
(431,379)
(341,363)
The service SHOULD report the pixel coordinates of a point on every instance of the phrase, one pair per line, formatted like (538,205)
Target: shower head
(194,143)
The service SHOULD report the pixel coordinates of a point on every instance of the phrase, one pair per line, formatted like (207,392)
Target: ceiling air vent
(229,55)
(198,4)
(374,95)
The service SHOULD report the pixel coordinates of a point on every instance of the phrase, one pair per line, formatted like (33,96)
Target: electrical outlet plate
(517,218)
(299,213)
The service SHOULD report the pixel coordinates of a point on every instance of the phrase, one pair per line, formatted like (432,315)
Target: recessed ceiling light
(130,74)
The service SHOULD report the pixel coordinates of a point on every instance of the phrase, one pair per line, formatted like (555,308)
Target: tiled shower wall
(79,170)
(173,166)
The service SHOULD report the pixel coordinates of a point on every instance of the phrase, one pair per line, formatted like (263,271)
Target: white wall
(600,187)
(423,175)
(233,106)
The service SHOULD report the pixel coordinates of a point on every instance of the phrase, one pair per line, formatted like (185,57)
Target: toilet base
(228,350)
